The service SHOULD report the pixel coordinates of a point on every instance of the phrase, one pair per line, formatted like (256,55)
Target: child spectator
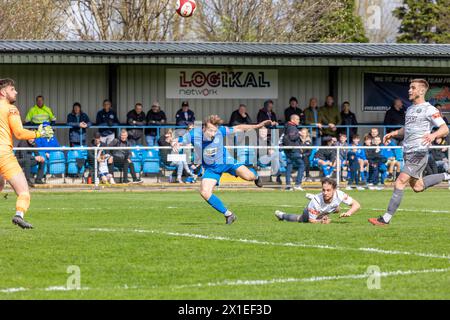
(343,154)
(104,160)
(376,161)
(305,140)
(392,165)
(326,158)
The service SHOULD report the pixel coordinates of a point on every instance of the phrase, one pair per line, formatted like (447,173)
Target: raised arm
(353,209)
(15,124)
(245,127)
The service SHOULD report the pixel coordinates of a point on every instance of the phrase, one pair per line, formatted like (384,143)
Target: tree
(424,21)
(30,20)
(323,21)
(136,20)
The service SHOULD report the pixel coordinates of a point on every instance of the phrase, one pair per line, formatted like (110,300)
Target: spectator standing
(40,113)
(30,158)
(395,116)
(136,117)
(184,116)
(79,121)
(107,117)
(348,118)
(291,138)
(155,117)
(294,109)
(312,118)
(305,141)
(329,115)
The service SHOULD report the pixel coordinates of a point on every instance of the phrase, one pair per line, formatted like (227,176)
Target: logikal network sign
(221,84)
(380,90)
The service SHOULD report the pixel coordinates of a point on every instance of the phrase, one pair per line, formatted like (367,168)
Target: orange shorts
(9,166)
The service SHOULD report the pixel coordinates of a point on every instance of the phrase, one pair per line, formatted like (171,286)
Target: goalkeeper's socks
(217,204)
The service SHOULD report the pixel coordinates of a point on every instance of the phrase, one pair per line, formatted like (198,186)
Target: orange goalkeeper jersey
(11,124)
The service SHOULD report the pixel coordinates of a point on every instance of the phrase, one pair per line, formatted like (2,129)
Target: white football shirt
(317,208)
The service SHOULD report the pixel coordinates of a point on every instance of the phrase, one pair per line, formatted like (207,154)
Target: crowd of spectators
(367,167)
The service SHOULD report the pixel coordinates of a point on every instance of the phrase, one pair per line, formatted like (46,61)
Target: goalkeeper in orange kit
(10,170)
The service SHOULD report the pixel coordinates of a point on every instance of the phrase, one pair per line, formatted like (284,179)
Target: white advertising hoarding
(221,84)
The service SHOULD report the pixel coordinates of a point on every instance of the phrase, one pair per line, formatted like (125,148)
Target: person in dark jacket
(294,157)
(184,116)
(122,158)
(395,116)
(136,117)
(326,157)
(107,117)
(330,116)
(348,118)
(240,116)
(79,121)
(267,113)
(294,109)
(28,159)
(155,117)
(376,159)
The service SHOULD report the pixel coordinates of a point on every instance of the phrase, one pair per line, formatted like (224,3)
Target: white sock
(228,213)
(387,217)
(447,176)
(19,213)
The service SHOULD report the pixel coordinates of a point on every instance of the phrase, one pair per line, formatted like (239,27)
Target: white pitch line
(250,282)
(287,244)
(311,279)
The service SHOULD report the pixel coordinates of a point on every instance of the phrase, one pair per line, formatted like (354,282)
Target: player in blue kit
(209,148)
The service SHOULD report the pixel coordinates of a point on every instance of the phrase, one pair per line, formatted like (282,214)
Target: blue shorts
(216,173)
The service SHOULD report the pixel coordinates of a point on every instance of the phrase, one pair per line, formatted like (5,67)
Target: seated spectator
(167,141)
(326,158)
(104,161)
(107,117)
(393,166)
(373,134)
(395,116)
(440,156)
(40,113)
(122,158)
(184,116)
(330,116)
(348,118)
(294,109)
(312,118)
(155,117)
(79,121)
(439,107)
(136,117)
(365,176)
(376,161)
(305,141)
(240,116)
(43,143)
(28,159)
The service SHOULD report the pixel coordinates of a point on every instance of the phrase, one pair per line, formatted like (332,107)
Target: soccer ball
(186,8)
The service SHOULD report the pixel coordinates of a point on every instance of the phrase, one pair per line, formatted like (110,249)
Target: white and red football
(186,8)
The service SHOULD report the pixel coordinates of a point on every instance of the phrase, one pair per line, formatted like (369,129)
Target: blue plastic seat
(57,162)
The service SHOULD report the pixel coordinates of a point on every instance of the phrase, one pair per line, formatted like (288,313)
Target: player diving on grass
(209,147)
(420,119)
(10,170)
(322,205)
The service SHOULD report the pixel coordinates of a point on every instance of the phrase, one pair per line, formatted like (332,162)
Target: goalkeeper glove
(44,132)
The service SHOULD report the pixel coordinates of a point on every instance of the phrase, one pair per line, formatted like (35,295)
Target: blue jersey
(212,153)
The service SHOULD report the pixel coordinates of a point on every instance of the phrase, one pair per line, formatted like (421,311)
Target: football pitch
(172,245)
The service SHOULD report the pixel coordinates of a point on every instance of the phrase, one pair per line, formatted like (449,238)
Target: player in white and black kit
(322,205)
(420,119)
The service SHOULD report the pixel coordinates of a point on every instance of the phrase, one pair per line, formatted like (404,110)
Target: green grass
(167,263)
